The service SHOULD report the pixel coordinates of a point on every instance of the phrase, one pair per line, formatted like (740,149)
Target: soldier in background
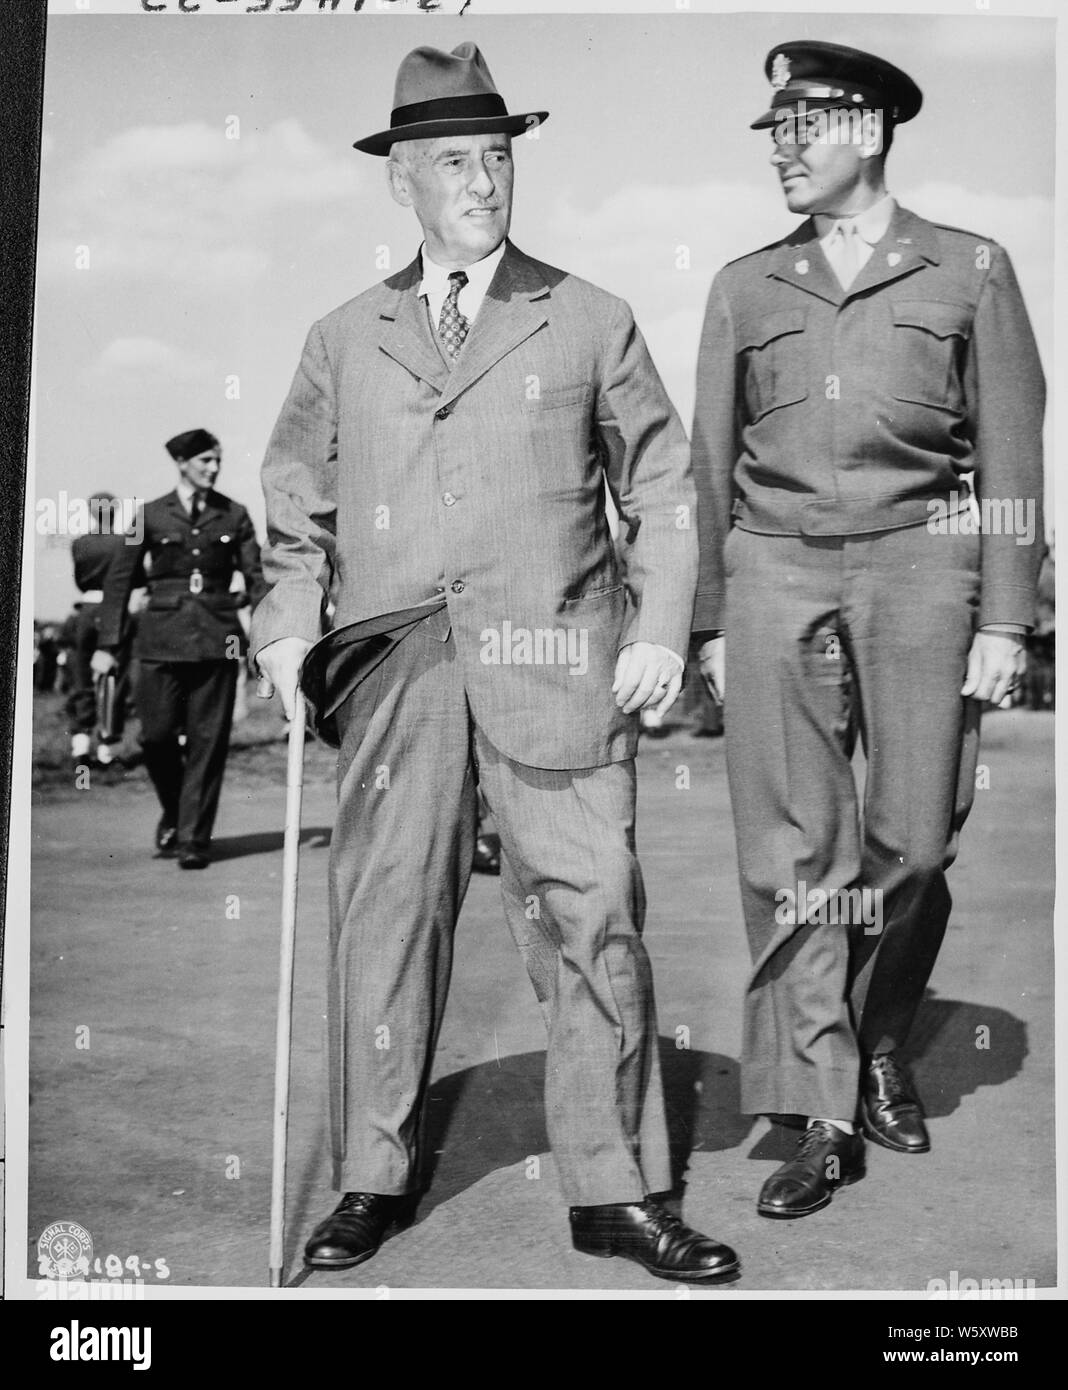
(92,555)
(190,643)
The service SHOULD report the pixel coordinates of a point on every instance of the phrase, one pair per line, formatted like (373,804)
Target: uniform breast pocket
(930,340)
(772,346)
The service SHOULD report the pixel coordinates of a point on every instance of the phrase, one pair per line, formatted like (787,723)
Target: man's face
(461,189)
(200,472)
(818,172)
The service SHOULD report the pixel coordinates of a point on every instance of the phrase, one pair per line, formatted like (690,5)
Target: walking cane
(290,862)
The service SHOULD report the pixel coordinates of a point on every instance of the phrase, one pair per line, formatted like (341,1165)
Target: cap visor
(430,130)
(769,118)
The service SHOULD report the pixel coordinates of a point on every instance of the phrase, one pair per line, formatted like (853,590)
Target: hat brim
(381,143)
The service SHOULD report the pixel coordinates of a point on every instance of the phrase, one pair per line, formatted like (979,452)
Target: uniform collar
(436,278)
(871,225)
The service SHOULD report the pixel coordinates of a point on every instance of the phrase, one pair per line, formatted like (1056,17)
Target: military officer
(850,377)
(190,643)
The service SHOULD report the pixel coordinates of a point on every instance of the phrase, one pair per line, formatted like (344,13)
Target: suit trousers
(573,898)
(827,638)
(195,698)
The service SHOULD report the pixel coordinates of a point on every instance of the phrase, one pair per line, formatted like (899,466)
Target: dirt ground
(152,1018)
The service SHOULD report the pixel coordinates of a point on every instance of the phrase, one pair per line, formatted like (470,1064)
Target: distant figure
(93,555)
(190,643)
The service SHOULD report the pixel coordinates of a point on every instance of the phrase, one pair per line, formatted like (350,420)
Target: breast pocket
(772,347)
(538,397)
(929,343)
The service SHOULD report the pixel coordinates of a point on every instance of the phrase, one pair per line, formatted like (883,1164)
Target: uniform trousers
(411,753)
(828,638)
(81,702)
(195,698)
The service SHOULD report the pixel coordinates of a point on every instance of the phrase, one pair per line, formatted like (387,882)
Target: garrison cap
(190,444)
(826,75)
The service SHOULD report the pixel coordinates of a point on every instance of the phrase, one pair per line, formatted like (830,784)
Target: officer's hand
(279,664)
(647,677)
(996,664)
(712,658)
(102,662)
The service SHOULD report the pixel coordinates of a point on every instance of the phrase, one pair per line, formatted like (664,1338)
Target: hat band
(813,91)
(449,109)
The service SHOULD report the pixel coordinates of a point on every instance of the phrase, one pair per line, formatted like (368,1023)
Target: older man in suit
(852,377)
(440,463)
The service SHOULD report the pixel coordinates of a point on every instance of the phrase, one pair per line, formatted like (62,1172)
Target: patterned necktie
(843,251)
(452,326)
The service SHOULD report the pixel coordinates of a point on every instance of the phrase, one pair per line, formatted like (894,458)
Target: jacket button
(196,552)
(448,499)
(457,586)
(442,414)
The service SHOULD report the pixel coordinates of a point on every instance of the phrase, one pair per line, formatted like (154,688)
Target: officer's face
(818,171)
(201,472)
(461,189)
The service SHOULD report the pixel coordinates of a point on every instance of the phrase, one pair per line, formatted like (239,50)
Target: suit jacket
(828,412)
(191,613)
(391,479)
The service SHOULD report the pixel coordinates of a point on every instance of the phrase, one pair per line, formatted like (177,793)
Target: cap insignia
(780,71)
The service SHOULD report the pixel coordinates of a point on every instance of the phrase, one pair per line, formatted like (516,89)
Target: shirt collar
(871,224)
(436,278)
(186,492)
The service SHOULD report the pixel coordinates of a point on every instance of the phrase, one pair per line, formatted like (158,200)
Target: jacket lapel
(800,261)
(512,310)
(174,505)
(404,330)
(909,244)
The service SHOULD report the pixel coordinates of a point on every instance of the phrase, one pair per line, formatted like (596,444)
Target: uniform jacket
(191,613)
(827,412)
(92,556)
(391,479)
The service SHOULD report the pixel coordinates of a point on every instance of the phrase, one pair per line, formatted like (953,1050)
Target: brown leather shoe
(827,1158)
(650,1235)
(356,1228)
(890,1110)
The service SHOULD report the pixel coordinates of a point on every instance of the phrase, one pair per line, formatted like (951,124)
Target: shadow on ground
(492,1116)
(954,1048)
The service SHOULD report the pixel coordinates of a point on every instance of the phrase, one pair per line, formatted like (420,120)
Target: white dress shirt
(434,286)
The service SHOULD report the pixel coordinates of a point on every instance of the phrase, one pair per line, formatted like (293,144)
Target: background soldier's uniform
(829,425)
(190,646)
(92,556)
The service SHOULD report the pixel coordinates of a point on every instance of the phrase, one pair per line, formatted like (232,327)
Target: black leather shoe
(487,856)
(826,1158)
(166,837)
(356,1228)
(193,859)
(647,1233)
(890,1110)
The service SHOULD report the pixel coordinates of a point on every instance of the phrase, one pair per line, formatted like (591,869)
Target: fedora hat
(446,94)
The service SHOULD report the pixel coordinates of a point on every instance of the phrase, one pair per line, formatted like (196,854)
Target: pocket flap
(942,319)
(754,333)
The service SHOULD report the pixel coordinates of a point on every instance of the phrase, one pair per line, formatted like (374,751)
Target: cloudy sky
(204,167)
